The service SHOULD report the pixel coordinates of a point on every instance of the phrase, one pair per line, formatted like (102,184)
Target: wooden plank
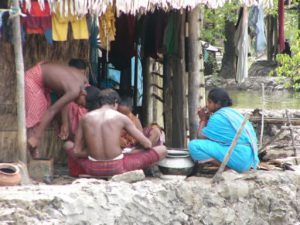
(274,120)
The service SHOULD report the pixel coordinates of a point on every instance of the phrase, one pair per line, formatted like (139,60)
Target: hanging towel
(256,24)
(241,42)
(60,23)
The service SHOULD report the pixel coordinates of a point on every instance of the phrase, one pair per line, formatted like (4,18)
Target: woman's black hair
(108,97)
(220,96)
(78,64)
(92,98)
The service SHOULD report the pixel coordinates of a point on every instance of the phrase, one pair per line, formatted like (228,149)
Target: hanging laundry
(281,38)
(38,20)
(171,37)
(256,25)
(1,14)
(155,24)
(107,28)
(61,22)
(241,42)
(6,29)
(94,48)
(122,49)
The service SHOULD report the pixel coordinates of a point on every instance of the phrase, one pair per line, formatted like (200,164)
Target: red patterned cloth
(37,97)
(109,168)
(75,113)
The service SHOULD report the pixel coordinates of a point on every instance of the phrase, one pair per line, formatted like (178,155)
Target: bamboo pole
(262,115)
(218,175)
(292,133)
(21,139)
(194,70)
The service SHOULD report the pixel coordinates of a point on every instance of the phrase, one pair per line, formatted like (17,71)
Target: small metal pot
(176,163)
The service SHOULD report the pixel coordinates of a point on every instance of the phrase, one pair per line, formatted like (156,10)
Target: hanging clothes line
(97,8)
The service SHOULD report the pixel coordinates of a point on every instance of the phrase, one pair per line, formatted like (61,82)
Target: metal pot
(176,163)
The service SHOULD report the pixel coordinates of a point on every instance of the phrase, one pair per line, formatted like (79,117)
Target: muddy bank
(260,198)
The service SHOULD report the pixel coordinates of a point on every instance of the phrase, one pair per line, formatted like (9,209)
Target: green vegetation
(289,67)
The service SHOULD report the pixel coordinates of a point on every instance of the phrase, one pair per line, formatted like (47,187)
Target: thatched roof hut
(36,49)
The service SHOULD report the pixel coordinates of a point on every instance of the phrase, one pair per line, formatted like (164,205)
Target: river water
(273,99)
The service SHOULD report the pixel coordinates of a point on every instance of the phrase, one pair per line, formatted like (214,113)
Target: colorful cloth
(147,132)
(60,27)
(37,97)
(107,29)
(220,131)
(75,113)
(38,21)
(109,168)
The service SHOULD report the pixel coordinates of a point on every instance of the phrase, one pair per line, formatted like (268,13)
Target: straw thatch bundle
(35,50)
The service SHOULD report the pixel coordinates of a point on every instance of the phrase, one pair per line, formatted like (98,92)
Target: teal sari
(220,131)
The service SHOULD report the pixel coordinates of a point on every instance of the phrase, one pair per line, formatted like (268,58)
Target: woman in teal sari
(218,125)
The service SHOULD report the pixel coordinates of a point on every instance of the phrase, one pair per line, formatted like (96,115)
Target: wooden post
(270,37)
(178,116)
(167,86)
(217,176)
(147,98)
(22,140)
(194,78)
(201,66)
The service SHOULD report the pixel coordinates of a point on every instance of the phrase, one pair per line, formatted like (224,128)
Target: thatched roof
(98,7)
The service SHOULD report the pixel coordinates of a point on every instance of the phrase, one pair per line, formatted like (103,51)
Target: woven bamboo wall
(35,49)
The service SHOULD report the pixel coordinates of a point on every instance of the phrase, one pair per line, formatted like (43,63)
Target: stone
(129,177)
(41,169)
(262,197)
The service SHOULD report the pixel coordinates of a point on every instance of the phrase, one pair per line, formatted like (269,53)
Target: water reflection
(273,99)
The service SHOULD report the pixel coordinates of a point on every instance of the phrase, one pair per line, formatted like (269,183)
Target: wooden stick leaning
(269,142)
(292,133)
(217,176)
(262,116)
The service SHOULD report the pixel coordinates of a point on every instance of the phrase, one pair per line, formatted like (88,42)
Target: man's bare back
(100,132)
(62,79)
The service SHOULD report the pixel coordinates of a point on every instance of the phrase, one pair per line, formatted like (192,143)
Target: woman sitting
(218,125)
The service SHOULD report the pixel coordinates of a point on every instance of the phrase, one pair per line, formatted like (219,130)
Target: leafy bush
(289,67)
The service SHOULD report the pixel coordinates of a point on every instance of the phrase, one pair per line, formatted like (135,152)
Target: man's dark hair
(92,98)
(108,97)
(78,63)
(127,101)
(220,96)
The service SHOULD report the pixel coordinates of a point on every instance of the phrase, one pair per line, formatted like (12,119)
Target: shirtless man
(97,148)
(69,85)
